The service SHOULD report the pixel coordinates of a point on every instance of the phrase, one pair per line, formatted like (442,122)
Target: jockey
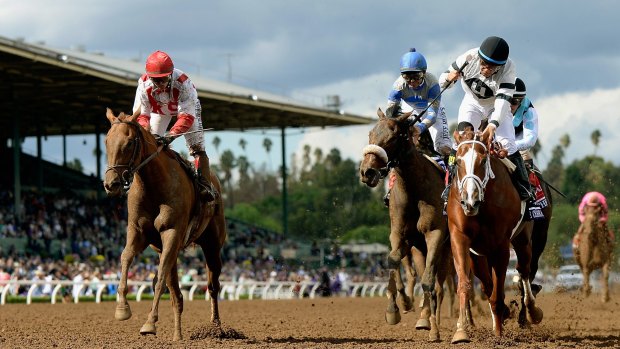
(489,83)
(163,93)
(417,88)
(525,122)
(593,198)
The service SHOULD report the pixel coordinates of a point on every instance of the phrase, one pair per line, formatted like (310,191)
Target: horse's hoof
(460,336)
(423,324)
(123,312)
(536,315)
(148,328)
(392,318)
(433,335)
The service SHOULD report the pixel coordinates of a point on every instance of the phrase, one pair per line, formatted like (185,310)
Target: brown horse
(415,210)
(594,249)
(164,211)
(484,216)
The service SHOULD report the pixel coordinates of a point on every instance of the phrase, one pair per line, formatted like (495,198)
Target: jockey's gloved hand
(166,139)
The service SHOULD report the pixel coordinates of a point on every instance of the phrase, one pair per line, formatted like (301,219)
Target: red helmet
(159,64)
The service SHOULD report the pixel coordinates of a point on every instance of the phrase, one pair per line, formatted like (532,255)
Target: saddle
(188,167)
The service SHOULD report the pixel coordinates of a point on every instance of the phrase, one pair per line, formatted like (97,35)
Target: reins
(402,150)
(127,175)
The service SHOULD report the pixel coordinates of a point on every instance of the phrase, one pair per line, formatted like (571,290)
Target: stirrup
(386,198)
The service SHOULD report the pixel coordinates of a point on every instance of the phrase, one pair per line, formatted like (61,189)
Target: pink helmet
(159,64)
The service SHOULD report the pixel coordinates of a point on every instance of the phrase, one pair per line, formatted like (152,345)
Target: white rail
(229,290)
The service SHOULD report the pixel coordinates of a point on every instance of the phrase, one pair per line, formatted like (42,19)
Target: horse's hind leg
(135,245)
(211,247)
(177,301)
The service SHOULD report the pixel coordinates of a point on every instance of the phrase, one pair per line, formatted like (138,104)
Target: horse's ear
(457,136)
(135,115)
(403,116)
(110,115)
(380,113)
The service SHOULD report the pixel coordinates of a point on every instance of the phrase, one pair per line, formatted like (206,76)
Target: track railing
(229,290)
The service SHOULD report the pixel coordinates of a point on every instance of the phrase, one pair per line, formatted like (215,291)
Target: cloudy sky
(568,55)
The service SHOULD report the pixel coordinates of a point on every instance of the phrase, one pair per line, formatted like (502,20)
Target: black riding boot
(520,177)
(204,177)
(449,160)
(521,181)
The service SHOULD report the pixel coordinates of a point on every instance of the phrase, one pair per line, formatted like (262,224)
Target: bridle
(126,176)
(478,182)
(402,139)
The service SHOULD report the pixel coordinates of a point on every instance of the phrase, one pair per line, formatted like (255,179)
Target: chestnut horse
(164,211)
(484,218)
(594,249)
(415,210)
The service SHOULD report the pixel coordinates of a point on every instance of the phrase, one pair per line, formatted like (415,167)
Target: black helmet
(494,50)
(519,88)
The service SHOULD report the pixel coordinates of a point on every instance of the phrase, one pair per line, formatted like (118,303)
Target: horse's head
(123,143)
(473,169)
(386,141)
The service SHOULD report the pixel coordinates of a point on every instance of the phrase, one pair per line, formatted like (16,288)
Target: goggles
(516,100)
(160,81)
(413,76)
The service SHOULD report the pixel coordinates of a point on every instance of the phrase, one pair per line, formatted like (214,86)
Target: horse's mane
(424,143)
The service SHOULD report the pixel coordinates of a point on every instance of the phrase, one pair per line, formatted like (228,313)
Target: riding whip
(419,116)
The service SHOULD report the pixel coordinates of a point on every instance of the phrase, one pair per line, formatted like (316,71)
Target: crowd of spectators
(71,237)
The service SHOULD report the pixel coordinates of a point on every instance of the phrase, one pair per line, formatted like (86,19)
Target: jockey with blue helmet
(525,121)
(417,88)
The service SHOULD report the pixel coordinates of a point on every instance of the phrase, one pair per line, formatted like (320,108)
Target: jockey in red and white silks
(159,105)
(164,92)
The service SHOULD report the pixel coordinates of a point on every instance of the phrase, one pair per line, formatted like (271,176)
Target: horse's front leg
(605,281)
(135,245)
(434,244)
(499,310)
(399,249)
(405,288)
(177,300)
(460,251)
(168,257)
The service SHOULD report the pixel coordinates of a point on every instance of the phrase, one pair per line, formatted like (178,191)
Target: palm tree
(267,143)
(565,141)
(243,143)
(595,137)
(227,163)
(318,155)
(216,143)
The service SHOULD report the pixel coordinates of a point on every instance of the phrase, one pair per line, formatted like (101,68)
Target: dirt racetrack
(569,322)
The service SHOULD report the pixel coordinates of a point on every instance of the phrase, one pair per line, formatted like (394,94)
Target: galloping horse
(484,216)
(164,211)
(415,210)
(594,250)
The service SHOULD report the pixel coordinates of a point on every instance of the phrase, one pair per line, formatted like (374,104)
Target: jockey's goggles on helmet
(160,81)
(516,100)
(413,76)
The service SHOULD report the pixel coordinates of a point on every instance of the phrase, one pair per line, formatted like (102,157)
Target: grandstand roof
(54,91)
